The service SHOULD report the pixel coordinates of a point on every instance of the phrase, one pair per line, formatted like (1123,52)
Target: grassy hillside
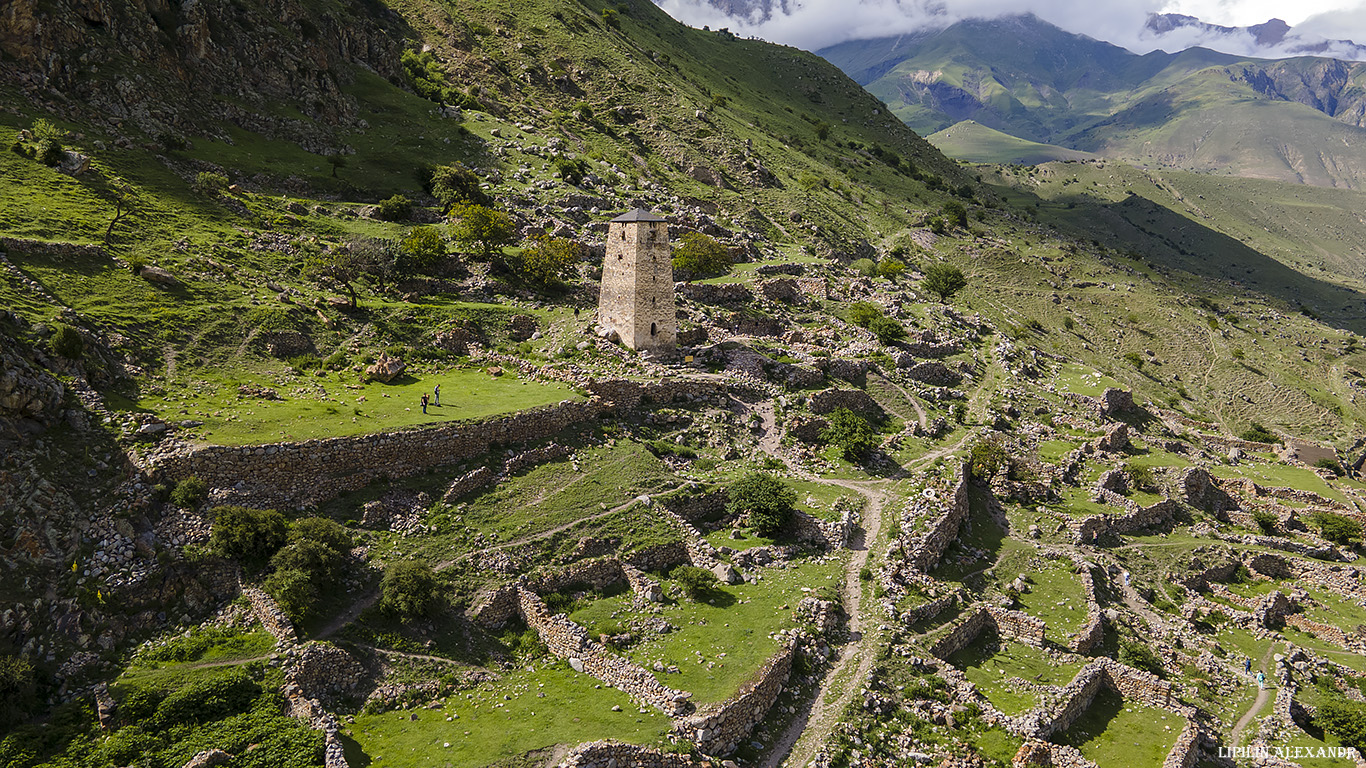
(975,143)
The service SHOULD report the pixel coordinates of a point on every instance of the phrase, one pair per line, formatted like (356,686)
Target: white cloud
(815,24)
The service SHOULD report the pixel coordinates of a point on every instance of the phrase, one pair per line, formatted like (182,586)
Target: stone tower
(637,297)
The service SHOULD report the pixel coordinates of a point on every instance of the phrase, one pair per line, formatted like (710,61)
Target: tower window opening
(653,329)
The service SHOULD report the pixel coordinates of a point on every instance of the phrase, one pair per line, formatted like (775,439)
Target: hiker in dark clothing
(424,403)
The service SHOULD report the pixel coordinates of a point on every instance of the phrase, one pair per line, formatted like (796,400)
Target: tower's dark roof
(638,214)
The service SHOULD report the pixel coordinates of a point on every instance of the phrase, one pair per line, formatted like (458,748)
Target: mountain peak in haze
(1271,39)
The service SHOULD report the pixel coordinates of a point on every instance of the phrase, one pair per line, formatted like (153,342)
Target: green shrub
(1344,719)
(851,433)
(863,313)
(1259,434)
(422,250)
(67,342)
(956,214)
(1336,528)
(188,493)
(209,182)
(1266,522)
(249,535)
(697,255)
(986,458)
(320,562)
(482,229)
(18,689)
(454,185)
(697,582)
(50,152)
(410,589)
(764,499)
(1134,359)
(396,208)
(294,591)
(1331,465)
(329,533)
(944,280)
(1069,323)
(887,330)
(572,170)
(548,260)
(1141,476)
(1141,656)
(891,268)
(206,700)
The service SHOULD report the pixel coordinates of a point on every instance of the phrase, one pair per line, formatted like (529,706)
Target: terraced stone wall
(719,730)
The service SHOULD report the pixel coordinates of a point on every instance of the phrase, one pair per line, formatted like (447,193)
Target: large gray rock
(386,368)
(159,276)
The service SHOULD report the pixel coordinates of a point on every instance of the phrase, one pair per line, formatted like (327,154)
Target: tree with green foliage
(295,591)
(1336,528)
(482,229)
(764,500)
(549,260)
(864,267)
(863,313)
(321,562)
(396,208)
(851,433)
(986,458)
(956,214)
(572,170)
(422,250)
(1257,433)
(210,183)
(67,342)
(697,256)
(189,492)
(410,589)
(891,268)
(329,533)
(696,582)
(338,161)
(1344,719)
(888,330)
(246,534)
(1331,465)
(342,267)
(944,280)
(455,185)
(1134,359)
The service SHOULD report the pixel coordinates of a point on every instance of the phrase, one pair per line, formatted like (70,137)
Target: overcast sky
(819,23)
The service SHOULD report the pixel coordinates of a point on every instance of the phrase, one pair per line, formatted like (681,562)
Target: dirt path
(1138,605)
(809,730)
(351,614)
(1263,696)
(919,411)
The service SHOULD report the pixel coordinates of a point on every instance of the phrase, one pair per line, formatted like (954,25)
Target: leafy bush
(888,330)
(318,561)
(1259,434)
(453,185)
(1069,323)
(851,433)
(249,535)
(209,182)
(698,255)
(863,313)
(1331,465)
(294,591)
(1141,656)
(956,214)
(764,499)
(891,268)
(206,700)
(46,129)
(1344,719)
(944,280)
(396,208)
(188,493)
(697,582)
(1141,476)
(482,229)
(986,458)
(1266,522)
(1134,359)
(571,170)
(1336,528)
(422,250)
(18,689)
(549,260)
(410,589)
(329,533)
(50,152)
(67,342)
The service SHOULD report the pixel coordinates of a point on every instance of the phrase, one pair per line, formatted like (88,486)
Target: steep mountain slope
(1297,119)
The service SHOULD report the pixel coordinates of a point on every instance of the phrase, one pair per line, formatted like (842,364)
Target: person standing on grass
(424,403)
(436,391)
(1261,680)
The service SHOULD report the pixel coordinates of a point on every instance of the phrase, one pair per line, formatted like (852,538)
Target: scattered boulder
(1116,438)
(209,758)
(386,368)
(521,327)
(159,276)
(1115,401)
(726,573)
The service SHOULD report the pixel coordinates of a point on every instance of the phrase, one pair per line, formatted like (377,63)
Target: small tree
(1257,433)
(67,342)
(986,458)
(337,161)
(864,267)
(851,433)
(1331,465)
(571,170)
(1338,529)
(396,208)
(764,499)
(326,532)
(249,535)
(481,228)
(549,259)
(189,492)
(1266,522)
(1134,359)
(210,183)
(410,589)
(887,330)
(321,562)
(294,591)
(956,214)
(1140,656)
(696,582)
(698,255)
(891,268)
(1344,719)
(454,185)
(944,280)
(339,266)
(422,250)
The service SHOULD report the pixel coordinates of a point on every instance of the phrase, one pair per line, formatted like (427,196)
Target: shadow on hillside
(1171,241)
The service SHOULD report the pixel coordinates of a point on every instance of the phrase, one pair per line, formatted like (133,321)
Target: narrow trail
(921,416)
(1263,696)
(1138,605)
(351,614)
(809,730)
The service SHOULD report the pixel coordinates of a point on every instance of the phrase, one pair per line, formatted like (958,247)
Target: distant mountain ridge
(1299,119)
(1274,38)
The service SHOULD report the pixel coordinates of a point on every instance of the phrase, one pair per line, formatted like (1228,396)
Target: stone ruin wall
(1098,528)
(602,754)
(570,641)
(1132,684)
(720,730)
(1092,632)
(272,618)
(316,470)
(1015,625)
(926,552)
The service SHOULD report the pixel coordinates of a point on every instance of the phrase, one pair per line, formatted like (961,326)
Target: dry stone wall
(614,754)
(926,551)
(719,730)
(1012,624)
(272,618)
(314,471)
(1101,528)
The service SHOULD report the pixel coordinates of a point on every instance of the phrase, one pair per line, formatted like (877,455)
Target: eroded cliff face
(172,67)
